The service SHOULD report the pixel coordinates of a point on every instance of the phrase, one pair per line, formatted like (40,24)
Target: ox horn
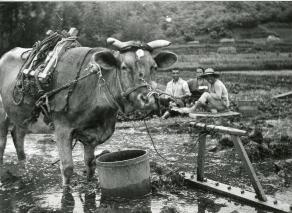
(158,44)
(119,44)
(115,42)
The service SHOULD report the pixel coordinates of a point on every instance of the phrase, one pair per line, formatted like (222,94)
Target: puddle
(40,189)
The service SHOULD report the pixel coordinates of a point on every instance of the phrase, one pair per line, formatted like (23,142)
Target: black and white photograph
(145,106)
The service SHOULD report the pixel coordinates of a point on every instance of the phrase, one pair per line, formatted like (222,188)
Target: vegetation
(242,61)
(23,23)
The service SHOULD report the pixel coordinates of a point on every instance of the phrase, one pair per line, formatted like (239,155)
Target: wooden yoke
(258,199)
(235,133)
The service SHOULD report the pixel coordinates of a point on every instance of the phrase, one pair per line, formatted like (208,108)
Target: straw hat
(209,72)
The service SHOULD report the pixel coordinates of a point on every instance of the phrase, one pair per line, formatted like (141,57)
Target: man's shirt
(219,91)
(178,88)
(196,84)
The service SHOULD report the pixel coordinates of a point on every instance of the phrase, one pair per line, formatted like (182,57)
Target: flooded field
(39,190)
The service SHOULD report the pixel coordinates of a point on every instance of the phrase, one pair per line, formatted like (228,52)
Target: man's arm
(168,90)
(218,91)
(186,90)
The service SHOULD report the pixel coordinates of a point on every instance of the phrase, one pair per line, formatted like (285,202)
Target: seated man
(197,86)
(177,90)
(216,99)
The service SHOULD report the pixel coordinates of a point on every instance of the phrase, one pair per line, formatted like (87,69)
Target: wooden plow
(257,199)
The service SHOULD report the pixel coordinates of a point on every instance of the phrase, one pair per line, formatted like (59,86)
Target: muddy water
(39,190)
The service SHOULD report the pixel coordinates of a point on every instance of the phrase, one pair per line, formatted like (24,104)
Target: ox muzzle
(143,95)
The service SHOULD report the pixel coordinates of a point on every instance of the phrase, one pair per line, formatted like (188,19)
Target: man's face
(175,75)
(199,71)
(210,79)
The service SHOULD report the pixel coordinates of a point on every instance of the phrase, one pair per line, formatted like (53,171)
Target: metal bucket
(124,174)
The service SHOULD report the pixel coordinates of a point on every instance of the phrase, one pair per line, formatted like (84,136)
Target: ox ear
(105,60)
(165,59)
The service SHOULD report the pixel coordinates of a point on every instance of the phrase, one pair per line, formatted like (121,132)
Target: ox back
(70,67)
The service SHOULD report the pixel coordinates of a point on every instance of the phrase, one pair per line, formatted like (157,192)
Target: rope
(167,160)
(155,148)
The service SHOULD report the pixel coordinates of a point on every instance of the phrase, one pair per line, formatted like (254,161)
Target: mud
(39,189)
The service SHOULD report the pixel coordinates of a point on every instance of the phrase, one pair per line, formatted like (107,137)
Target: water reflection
(89,202)
(67,201)
(40,190)
(125,206)
(208,205)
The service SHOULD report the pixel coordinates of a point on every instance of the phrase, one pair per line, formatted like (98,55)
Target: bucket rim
(127,162)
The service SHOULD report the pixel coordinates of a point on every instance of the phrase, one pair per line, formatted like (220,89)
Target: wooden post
(249,168)
(201,157)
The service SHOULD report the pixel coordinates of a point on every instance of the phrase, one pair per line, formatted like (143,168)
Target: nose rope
(130,90)
(110,98)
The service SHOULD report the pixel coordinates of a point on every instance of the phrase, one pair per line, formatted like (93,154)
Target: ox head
(136,66)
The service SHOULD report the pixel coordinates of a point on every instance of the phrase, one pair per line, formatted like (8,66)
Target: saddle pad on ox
(213,115)
(70,66)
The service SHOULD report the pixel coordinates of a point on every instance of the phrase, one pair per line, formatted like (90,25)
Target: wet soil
(38,187)
(39,190)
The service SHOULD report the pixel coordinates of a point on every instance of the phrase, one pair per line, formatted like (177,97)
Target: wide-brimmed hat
(209,72)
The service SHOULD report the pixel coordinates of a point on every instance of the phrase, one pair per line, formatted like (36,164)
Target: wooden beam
(213,115)
(284,95)
(249,168)
(238,194)
(201,157)
(222,129)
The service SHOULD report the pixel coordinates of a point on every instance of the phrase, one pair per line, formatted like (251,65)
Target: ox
(93,104)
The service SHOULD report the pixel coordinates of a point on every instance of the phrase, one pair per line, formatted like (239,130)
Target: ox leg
(89,161)
(4,124)
(64,143)
(18,135)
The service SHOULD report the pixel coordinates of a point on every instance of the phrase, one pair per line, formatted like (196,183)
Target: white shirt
(220,92)
(178,88)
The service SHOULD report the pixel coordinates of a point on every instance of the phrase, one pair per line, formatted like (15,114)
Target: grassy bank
(242,61)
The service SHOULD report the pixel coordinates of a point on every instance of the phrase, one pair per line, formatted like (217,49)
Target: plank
(249,168)
(201,157)
(213,115)
(247,197)
(283,95)
(222,129)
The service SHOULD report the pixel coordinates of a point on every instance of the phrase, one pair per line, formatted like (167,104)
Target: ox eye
(153,69)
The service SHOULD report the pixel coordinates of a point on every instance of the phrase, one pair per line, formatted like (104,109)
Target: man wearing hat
(197,85)
(216,99)
(178,90)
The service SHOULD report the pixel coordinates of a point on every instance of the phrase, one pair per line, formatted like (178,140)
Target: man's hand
(172,104)
(183,110)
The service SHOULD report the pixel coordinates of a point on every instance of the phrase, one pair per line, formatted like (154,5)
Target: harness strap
(130,90)
(111,99)
(76,79)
